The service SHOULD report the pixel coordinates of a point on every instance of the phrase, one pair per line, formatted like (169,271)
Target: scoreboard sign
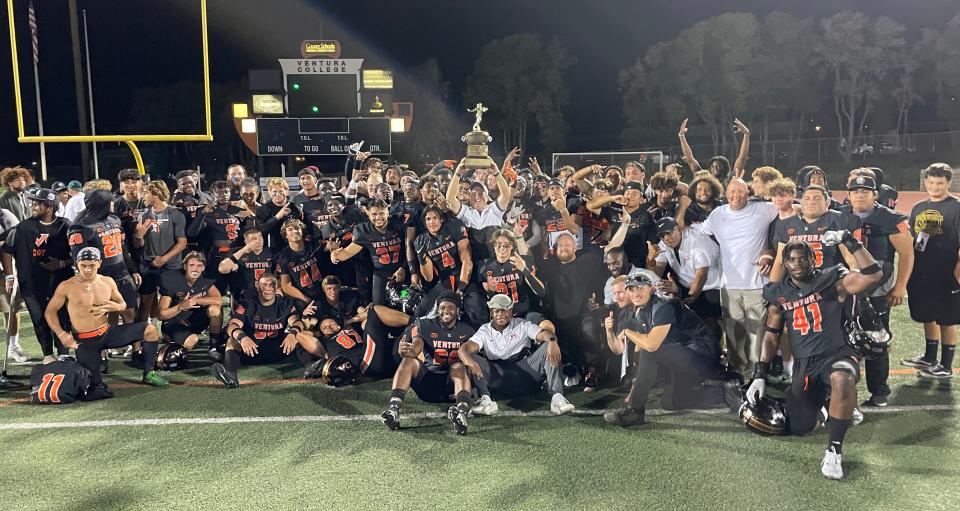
(321,136)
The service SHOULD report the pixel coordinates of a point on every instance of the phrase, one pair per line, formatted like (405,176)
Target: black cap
(310,170)
(862,182)
(633,185)
(638,280)
(88,254)
(58,186)
(334,196)
(43,194)
(665,225)
(554,182)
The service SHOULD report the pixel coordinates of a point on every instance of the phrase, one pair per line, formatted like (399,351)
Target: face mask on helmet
(171,357)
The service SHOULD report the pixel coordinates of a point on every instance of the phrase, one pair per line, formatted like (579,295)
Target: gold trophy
(477,140)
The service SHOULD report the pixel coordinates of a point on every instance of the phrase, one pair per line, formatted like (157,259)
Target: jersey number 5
(800,322)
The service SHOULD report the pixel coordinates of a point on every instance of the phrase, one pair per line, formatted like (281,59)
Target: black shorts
(268,352)
(128,290)
(935,302)
(811,387)
(707,305)
(433,385)
(150,282)
(112,336)
(178,330)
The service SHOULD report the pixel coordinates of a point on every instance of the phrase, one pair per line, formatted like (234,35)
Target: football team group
(469,283)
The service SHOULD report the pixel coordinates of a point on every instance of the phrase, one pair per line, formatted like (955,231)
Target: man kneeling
(266,329)
(510,364)
(190,304)
(90,298)
(440,373)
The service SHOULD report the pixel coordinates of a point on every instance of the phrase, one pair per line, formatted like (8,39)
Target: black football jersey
(341,233)
(221,226)
(314,214)
(386,249)
(107,237)
(303,267)
(551,218)
(507,278)
(348,342)
(60,382)
(252,266)
(876,229)
(811,311)
(440,344)
(190,204)
(174,284)
(442,250)
(265,323)
(410,214)
(796,228)
(641,230)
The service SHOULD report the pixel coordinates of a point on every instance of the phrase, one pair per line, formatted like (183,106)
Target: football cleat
(559,405)
(857,417)
(485,406)
(225,376)
(391,416)
(830,467)
(918,362)
(154,379)
(934,372)
(459,419)
(626,417)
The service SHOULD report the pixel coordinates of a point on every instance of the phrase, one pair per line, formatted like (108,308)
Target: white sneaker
(485,406)
(560,406)
(857,417)
(15,352)
(830,466)
(49,359)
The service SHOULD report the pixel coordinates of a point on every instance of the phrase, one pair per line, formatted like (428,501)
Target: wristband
(9,278)
(852,243)
(774,330)
(760,370)
(233,258)
(294,330)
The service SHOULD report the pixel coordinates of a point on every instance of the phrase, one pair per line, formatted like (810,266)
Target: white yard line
(376,418)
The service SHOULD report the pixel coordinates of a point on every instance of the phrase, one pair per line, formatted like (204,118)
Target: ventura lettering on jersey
(446,345)
(387,243)
(441,249)
(807,300)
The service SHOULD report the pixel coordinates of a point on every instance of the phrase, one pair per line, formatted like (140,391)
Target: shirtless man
(90,298)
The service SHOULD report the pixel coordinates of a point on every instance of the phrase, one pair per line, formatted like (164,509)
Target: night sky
(148,43)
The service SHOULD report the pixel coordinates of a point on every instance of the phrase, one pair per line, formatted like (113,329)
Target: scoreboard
(322,136)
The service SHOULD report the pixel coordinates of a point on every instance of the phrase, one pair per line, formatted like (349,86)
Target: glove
(756,390)
(833,238)
(514,214)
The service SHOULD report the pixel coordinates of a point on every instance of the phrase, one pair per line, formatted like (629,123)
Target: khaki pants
(743,322)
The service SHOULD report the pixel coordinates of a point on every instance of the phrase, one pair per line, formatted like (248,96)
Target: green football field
(279,442)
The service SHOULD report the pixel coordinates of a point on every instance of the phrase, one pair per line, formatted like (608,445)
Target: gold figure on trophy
(477,140)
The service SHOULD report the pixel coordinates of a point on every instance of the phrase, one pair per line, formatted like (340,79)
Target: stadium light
(248,125)
(240,111)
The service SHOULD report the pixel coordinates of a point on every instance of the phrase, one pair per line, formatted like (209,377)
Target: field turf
(283,443)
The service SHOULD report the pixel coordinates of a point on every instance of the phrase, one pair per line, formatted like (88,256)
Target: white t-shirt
(74,207)
(519,334)
(696,251)
(743,237)
(492,215)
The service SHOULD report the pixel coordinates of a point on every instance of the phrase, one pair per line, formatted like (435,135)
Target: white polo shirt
(743,237)
(519,334)
(696,251)
(491,215)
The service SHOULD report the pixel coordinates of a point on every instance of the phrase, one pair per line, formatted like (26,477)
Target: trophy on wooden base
(477,140)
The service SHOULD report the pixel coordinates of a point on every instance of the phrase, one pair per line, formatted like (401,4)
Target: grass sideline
(898,459)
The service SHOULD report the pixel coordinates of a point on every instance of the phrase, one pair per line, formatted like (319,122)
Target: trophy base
(477,163)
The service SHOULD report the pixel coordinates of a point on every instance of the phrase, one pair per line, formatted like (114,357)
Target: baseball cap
(633,185)
(75,185)
(500,301)
(310,171)
(554,182)
(475,184)
(638,280)
(43,194)
(334,196)
(58,186)
(862,182)
(665,225)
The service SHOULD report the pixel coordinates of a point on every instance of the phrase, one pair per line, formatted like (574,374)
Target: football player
(441,373)
(809,302)
(190,304)
(364,340)
(265,330)
(383,239)
(249,262)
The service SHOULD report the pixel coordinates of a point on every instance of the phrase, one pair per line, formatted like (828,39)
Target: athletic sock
(837,429)
(397,394)
(463,400)
(14,340)
(946,356)
(930,355)
(231,360)
(149,356)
